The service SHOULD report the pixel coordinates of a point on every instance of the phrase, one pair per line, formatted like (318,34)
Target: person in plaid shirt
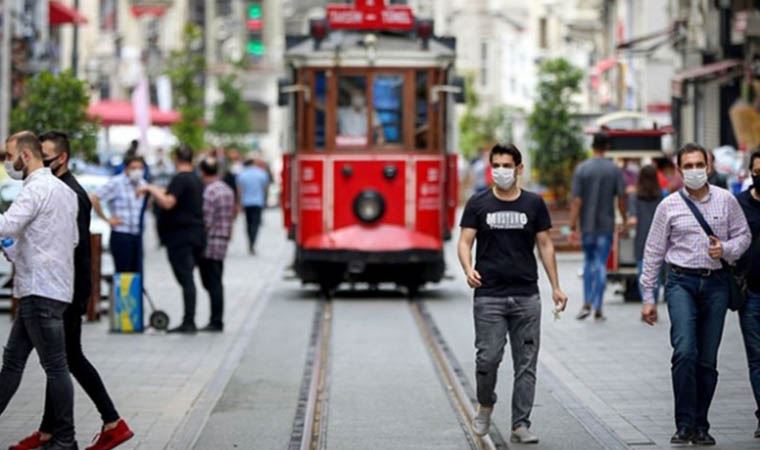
(218,215)
(697,290)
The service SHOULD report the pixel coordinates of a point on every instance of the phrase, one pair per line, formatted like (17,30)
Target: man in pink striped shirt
(697,289)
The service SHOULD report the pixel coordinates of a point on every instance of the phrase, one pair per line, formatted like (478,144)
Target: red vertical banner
(429,204)
(310,199)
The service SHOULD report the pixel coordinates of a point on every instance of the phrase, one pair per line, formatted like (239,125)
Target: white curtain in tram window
(141,108)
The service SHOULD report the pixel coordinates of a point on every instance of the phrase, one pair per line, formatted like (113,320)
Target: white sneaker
(522,435)
(481,423)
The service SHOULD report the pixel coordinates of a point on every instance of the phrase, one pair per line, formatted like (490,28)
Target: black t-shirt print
(505,239)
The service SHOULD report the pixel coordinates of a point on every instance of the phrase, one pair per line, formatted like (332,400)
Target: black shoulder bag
(738,283)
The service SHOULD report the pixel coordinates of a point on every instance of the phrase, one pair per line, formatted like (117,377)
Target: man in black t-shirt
(749,315)
(507,222)
(182,229)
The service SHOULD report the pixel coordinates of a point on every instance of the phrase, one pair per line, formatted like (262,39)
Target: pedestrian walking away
(507,223)
(749,315)
(57,152)
(182,228)
(126,208)
(641,207)
(252,186)
(42,221)
(596,184)
(698,287)
(218,215)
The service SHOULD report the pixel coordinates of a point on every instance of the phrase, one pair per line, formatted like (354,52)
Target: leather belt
(704,273)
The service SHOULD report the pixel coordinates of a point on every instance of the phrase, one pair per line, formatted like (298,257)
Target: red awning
(120,112)
(155,11)
(709,70)
(60,14)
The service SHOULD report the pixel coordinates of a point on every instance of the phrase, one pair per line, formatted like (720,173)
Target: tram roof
(349,49)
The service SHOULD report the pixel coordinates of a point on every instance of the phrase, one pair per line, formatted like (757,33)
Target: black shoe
(701,437)
(585,312)
(212,328)
(598,316)
(757,431)
(58,446)
(185,328)
(682,436)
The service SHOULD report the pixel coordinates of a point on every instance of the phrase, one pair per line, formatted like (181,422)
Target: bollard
(96,253)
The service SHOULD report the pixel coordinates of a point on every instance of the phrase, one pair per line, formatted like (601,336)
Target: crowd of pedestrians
(691,235)
(46,235)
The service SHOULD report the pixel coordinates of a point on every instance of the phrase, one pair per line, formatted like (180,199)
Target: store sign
(149,7)
(370,15)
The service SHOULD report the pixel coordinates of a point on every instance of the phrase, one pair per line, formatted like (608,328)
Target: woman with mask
(641,207)
(126,208)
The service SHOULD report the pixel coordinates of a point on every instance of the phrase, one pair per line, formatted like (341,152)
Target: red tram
(370,186)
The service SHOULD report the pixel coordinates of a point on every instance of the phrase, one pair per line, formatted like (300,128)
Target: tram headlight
(369,206)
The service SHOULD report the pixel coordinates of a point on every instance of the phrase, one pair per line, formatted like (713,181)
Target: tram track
(453,380)
(310,424)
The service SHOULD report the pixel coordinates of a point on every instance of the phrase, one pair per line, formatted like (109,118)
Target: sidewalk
(620,369)
(153,378)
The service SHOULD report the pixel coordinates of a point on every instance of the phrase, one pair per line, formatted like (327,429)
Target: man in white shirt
(42,223)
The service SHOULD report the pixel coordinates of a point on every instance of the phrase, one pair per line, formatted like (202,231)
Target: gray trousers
(520,317)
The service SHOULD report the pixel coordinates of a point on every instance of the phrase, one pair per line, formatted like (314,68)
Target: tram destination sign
(370,15)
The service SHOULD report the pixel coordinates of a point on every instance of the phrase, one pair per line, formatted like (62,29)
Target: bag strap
(702,222)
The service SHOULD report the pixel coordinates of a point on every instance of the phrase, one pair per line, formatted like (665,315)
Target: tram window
(320,95)
(388,101)
(421,124)
(353,116)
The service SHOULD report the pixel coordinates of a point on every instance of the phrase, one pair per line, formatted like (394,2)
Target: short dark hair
(209,166)
(59,139)
(755,155)
(506,149)
(184,153)
(690,148)
(601,141)
(129,159)
(26,140)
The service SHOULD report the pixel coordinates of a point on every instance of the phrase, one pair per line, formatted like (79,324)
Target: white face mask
(12,172)
(504,177)
(358,102)
(136,175)
(695,178)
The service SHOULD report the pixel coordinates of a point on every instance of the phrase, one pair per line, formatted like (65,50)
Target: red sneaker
(30,442)
(112,438)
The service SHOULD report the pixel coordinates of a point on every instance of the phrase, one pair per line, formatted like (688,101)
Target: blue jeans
(697,307)
(39,326)
(596,250)
(749,319)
